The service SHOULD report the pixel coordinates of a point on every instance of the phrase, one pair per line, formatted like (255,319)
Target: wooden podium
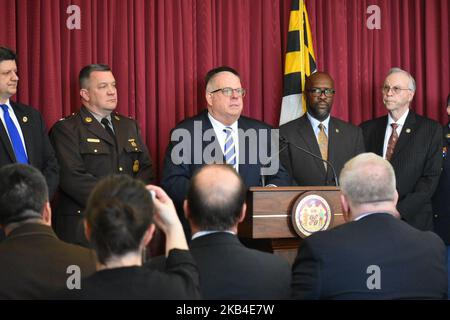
(268,224)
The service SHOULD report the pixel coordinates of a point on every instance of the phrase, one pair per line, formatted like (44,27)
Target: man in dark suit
(214,207)
(93,143)
(34,262)
(374,255)
(316,131)
(412,144)
(33,145)
(441,198)
(221,135)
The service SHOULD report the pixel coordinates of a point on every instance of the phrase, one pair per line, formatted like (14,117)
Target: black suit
(87,153)
(441,198)
(179,280)
(344,142)
(338,263)
(34,262)
(39,150)
(417,161)
(176,177)
(229,270)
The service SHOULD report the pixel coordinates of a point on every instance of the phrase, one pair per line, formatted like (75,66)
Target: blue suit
(176,177)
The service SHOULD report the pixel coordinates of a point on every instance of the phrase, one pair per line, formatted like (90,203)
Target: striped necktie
(16,141)
(229,149)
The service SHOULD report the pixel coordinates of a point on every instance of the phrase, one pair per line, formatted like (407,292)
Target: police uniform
(86,153)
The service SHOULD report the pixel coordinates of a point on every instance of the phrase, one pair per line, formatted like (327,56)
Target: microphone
(263,176)
(287,142)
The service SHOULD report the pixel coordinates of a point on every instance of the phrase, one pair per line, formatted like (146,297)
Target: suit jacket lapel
(94,126)
(378,136)
(206,125)
(119,132)
(306,133)
(407,132)
(24,119)
(6,142)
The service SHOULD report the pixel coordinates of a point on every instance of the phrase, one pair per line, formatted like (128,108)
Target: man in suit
(412,144)
(93,143)
(214,207)
(316,131)
(375,255)
(34,262)
(23,137)
(441,198)
(221,134)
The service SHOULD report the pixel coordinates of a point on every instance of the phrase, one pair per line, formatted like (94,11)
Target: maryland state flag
(300,62)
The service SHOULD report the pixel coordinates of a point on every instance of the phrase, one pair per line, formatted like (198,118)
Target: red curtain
(160,50)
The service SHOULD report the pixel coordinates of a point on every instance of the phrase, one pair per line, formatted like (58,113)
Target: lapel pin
(408,130)
(337,130)
(25,119)
(447,135)
(88,119)
(117,118)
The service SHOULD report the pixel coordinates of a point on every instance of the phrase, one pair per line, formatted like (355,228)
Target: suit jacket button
(436,215)
(120,169)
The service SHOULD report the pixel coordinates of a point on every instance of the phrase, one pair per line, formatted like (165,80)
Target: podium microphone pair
(287,142)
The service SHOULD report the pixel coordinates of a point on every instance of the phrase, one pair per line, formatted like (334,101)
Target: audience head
(8,74)
(319,92)
(215,199)
(23,196)
(224,94)
(398,90)
(119,217)
(98,89)
(367,184)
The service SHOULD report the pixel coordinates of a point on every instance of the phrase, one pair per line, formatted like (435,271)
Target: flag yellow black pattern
(300,62)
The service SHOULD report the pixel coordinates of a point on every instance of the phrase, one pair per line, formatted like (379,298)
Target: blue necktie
(229,150)
(14,135)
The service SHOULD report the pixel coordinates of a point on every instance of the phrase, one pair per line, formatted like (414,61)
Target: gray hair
(368,178)
(412,82)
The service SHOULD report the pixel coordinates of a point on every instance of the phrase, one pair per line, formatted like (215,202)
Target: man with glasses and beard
(319,133)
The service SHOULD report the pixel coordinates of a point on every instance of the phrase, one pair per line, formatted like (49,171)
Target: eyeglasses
(395,89)
(228,92)
(317,92)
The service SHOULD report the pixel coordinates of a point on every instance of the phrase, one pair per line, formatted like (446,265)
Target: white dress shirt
(400,122)
(221,136)
(13,117)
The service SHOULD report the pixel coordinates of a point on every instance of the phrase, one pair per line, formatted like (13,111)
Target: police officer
(93,143)
(441,198)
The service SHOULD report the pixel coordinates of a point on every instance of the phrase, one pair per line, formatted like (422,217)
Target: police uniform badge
(136,166)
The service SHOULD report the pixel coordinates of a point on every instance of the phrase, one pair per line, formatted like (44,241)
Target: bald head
(319,93)
(215,198)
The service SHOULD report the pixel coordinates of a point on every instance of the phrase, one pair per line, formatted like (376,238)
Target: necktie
(392,142)
(19,149)
(322,139)
(108,129)
(229,149)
